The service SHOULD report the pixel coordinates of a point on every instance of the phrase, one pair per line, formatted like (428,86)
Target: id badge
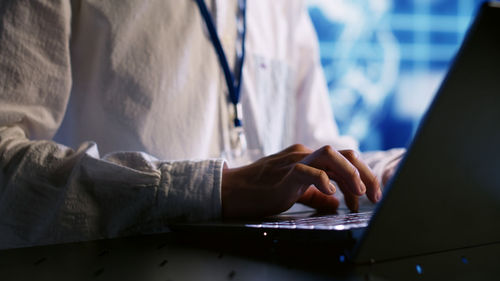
(238,142)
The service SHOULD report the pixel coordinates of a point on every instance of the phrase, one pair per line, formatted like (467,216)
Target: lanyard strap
(233,81)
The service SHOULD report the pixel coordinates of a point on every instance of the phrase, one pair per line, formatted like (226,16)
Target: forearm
(52,194)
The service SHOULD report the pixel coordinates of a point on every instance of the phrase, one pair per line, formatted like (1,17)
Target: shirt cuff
(191,190)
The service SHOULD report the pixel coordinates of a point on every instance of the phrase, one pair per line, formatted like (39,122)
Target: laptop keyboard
(329,222)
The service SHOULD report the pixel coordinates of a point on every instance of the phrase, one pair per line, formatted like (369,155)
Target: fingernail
(362,188)
(332,187)
(378,196)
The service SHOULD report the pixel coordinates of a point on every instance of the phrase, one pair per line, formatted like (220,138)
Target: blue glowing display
(384,60)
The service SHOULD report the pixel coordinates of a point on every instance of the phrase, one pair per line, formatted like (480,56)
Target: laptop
(446,193)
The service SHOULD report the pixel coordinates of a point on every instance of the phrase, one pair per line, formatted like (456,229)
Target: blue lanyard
(233,81)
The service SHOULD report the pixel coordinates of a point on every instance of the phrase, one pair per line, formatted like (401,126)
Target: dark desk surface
(174,256)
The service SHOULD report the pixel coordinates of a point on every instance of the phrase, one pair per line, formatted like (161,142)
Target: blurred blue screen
(384,60)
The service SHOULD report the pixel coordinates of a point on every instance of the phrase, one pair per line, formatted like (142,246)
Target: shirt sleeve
(316,123)
(50,193)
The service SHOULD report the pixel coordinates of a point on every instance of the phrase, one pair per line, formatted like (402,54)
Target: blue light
(419,269)
(342,258)
(465,260)
(376,55)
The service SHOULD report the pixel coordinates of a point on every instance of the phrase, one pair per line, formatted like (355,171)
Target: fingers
(373,191)
(338,168)
(315,199)
(316,168)
(351,200)
(307,175)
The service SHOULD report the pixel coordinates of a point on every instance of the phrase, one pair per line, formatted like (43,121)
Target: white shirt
(114,114)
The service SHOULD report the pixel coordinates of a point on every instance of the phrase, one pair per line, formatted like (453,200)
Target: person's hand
(297,174)
(390,169)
